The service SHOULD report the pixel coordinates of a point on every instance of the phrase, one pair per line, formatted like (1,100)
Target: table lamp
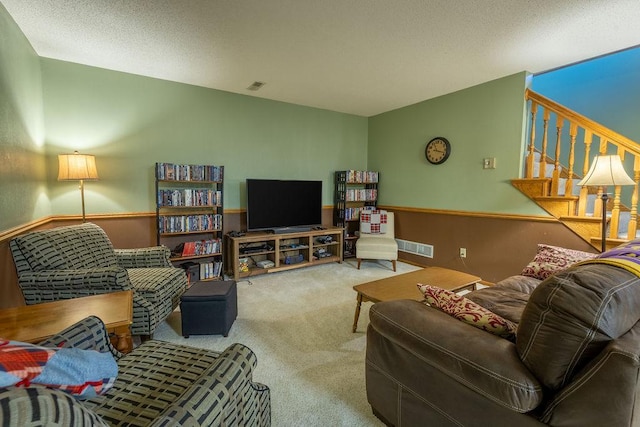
(606,170)
(81,167)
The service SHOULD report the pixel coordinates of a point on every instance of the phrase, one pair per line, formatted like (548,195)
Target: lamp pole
(82,197)
(605,197)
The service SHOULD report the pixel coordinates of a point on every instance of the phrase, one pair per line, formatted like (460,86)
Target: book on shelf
(189,223)
(365,177)
(202,247)
(189,197)
(361,194)
(179,172)
(210,270)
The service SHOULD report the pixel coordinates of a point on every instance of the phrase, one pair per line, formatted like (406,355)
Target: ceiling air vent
(256,85)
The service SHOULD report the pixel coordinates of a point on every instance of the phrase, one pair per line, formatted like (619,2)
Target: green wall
(482,121)
(130,122)
(23,191)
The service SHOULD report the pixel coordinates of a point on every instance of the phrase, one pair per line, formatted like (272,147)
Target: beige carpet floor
(299,325)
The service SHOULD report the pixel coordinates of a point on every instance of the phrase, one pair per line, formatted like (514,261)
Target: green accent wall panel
(130,122)
(23,189)
(486,120)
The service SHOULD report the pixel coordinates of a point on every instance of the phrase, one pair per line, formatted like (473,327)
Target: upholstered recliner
(378,245)
(575,360)
(79,260)
(158,384)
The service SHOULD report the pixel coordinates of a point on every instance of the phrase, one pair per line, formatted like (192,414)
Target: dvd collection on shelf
(210,270)
(175,172)
(189,211)
(353,214)
(355,191)
(353,176)
(202,247)
(189,223)
(189,197)
(361,194)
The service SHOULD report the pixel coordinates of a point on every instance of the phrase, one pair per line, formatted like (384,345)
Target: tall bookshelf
(354,191)
(189,213)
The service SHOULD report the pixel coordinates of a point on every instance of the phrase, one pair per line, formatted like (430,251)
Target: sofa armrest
(477,359)
(87,334)
(226,394)
(53,285)
(155,256)
(612,376)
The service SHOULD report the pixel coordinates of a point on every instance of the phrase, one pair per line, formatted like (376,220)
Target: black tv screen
(280,204)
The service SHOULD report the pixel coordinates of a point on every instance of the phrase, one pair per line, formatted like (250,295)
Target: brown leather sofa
(575,361)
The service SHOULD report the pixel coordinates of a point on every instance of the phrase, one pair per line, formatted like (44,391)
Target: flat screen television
(283,205)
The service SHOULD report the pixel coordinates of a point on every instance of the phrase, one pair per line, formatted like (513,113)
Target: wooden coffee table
(35,323)
(404,286)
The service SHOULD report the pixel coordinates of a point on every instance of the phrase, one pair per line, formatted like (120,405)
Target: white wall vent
(415,248)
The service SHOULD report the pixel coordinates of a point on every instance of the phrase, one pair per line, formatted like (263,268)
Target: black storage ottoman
(209,308)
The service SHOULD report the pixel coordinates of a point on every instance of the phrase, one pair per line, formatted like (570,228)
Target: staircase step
(585,227)
(532,187)
(611,243)
(556,205)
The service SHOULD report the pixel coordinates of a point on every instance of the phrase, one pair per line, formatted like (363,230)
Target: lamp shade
(73,167)
(604,171)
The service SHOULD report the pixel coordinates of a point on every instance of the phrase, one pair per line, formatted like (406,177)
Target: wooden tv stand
(286,251)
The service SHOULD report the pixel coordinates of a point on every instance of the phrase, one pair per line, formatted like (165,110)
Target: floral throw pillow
(552,259)
(468,311)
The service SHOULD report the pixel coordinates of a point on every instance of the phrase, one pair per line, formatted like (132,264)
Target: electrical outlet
(463,252)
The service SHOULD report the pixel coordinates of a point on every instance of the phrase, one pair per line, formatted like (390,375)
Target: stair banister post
(615,213)
(633,214)
(573,130)
(532,138)
(542,171)
(555,179)
(584,191)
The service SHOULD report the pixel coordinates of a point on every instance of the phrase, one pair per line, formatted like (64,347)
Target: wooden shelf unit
(189,211)
(354,190)
(279,248)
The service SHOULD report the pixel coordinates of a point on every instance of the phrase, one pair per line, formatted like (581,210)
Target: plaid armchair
(158,384)
(79,260)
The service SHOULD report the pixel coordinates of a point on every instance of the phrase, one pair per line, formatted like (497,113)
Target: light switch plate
(489,163)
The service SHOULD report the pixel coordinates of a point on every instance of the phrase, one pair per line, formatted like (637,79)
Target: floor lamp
(77,167)
(606,170)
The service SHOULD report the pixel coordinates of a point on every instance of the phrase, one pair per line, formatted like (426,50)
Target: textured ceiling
(362,57)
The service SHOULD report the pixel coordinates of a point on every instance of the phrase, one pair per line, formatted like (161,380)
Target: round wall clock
(437,150)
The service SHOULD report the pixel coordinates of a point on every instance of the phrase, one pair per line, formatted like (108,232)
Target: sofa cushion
(152,376)
(467,311)
(66,248)
(507,298)
(83,373)
(551,259)
(572,316)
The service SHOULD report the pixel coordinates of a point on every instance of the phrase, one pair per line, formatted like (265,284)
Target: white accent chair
(378,246)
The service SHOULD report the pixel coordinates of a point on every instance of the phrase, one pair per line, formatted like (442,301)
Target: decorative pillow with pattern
(468,311)
(82,373)
(373,221)
(552,259)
